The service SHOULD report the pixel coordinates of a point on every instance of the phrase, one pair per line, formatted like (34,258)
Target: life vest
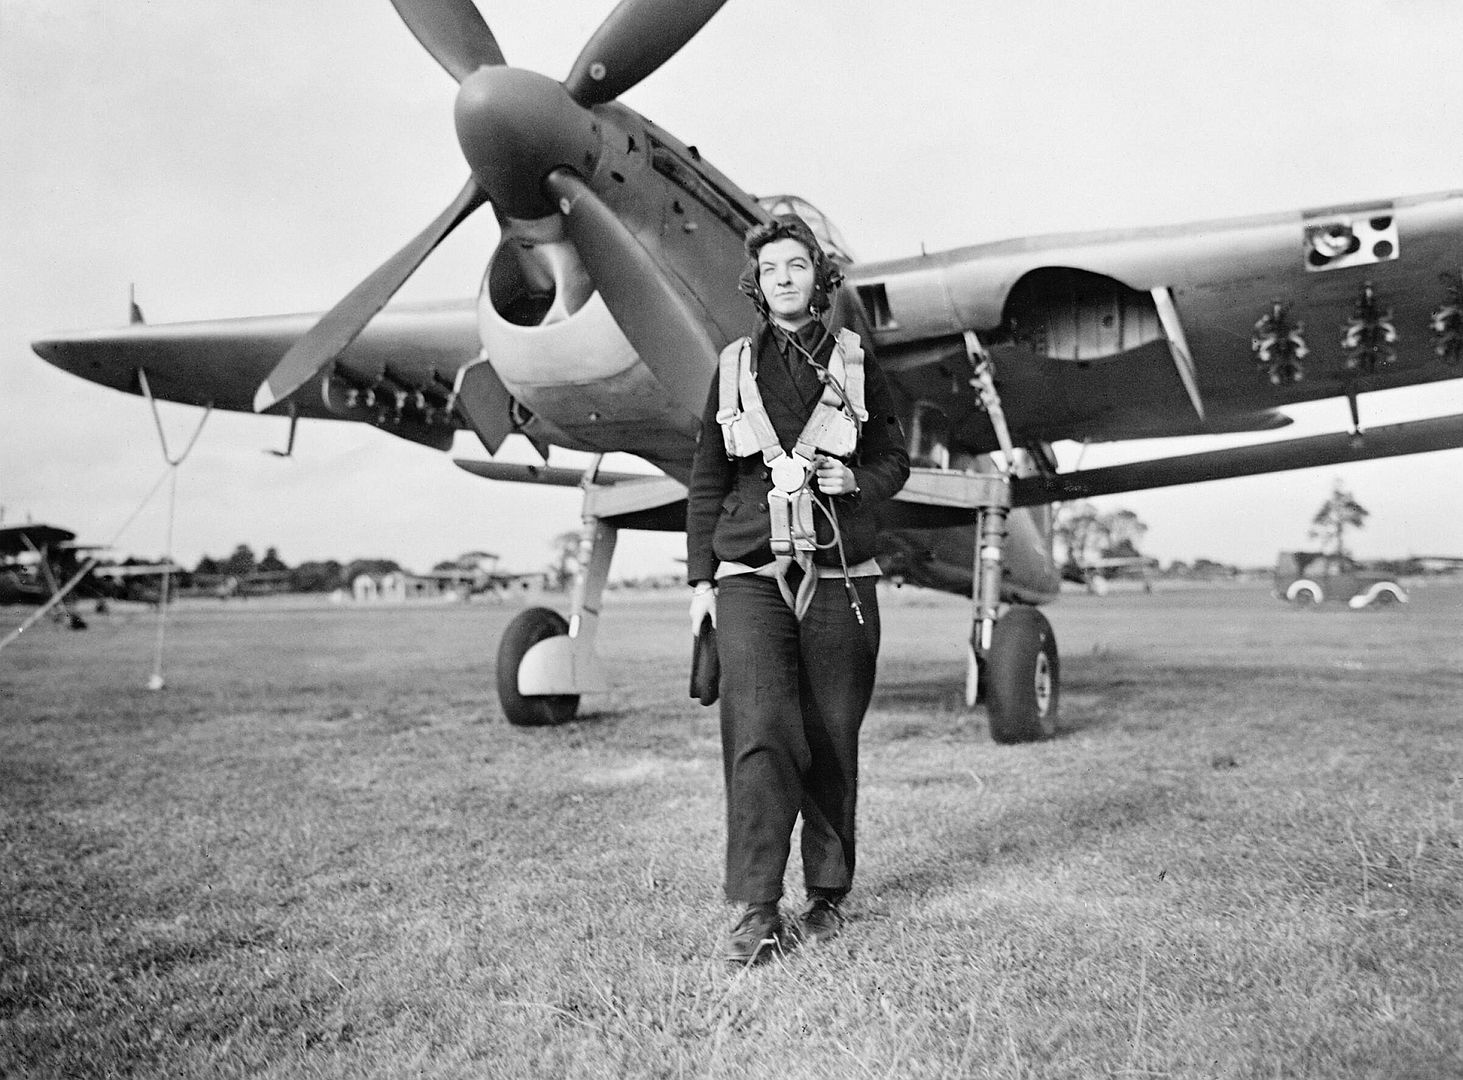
(831,429)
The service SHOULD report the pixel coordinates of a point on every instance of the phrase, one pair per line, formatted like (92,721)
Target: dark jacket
(726,512)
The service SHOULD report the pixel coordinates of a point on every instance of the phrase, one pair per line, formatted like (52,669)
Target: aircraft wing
(132,570)
(1181,330)
(18,539)
(415,371)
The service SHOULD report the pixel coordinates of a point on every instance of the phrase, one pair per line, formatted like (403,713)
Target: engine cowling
(559,351)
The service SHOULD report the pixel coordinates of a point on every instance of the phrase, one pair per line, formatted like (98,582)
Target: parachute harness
(832,429)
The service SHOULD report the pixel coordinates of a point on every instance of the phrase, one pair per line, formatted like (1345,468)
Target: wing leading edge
(414,372)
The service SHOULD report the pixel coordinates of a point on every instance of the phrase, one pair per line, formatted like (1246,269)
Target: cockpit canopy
(826,232)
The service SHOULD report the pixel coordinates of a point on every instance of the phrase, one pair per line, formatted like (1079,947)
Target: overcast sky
(262,157)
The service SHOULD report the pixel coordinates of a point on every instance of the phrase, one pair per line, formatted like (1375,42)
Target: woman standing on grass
(798,442)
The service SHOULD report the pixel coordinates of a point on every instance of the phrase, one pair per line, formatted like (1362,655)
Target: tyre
(1388,593)
(527,629)
(1305,594)
(1023,677)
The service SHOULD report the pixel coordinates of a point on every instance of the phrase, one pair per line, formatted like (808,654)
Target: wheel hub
(1043,684)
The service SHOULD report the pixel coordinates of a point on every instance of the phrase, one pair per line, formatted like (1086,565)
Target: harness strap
(753,412)
(804,598)
(745,426)
(851,351)
(832,428)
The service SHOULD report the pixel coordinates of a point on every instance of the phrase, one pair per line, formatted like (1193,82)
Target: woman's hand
(703,603)
(834,477)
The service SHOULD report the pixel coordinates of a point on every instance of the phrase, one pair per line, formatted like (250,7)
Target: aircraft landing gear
(1013,664)
(1021,673)
(527,629)
(1013,667)
(546,662)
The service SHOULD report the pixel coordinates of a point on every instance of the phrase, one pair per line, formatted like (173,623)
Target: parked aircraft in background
(476,573)
(611,290)
(1096,573)
(35,560)
(38,561)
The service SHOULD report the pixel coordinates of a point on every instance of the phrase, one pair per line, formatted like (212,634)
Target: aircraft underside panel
(1261,314)
(623,413)
(944,558)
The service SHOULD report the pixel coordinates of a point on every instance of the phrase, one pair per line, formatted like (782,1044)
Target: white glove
(703,603)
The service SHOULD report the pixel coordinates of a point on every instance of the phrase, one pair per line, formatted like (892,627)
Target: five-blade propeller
(636,38)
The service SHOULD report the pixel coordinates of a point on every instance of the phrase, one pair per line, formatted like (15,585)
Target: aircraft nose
(517,126)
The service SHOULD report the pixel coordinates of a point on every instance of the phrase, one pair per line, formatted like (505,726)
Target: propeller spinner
(517,129)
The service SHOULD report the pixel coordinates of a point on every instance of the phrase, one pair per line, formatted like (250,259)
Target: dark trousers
(793,696)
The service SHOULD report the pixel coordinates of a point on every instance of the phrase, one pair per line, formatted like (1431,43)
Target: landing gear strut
(546,662)
(1013,665)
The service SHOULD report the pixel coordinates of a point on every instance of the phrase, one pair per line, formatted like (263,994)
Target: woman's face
(786,274)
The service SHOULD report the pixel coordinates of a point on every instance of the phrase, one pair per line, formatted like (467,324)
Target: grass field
(321,852)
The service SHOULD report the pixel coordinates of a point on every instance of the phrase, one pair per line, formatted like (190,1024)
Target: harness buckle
(789,473)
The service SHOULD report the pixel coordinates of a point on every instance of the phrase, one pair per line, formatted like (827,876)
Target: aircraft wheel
(1023,677)
(527,629)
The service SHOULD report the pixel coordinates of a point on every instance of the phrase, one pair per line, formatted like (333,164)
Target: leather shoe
(820,921)
(753,936)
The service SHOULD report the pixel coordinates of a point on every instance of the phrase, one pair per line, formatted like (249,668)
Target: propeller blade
(636,38)
(339,326)
(657,319)
(454,33)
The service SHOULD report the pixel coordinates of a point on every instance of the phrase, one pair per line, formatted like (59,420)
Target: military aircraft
(609,293)
(1095,574)
(35,561)
(38,562)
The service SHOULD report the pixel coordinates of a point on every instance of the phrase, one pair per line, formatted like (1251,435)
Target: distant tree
(566,559)
(1084,534)
(1210,568)
(1124,532)
(208,565)
(324,576)
(272,563)
(241,562)
(1078,532)
(1337,514)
